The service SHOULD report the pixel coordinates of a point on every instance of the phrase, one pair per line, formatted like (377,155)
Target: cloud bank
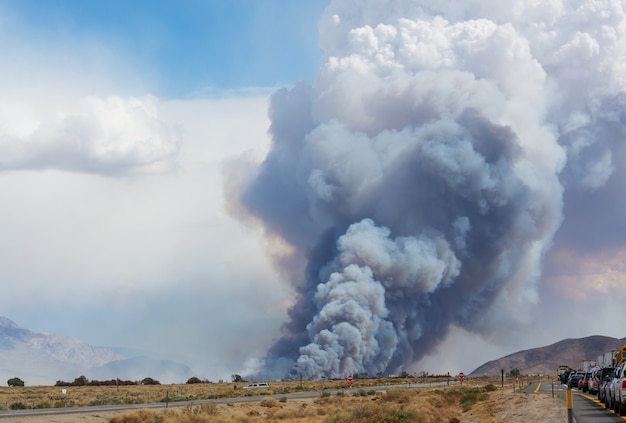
(112,135)
(420,181)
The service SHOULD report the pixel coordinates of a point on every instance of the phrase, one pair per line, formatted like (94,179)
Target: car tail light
(624,384)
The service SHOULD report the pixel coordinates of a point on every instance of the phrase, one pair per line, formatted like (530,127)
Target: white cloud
(112,135)
(124,260)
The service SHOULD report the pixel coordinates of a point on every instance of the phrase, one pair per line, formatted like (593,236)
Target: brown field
(81,396)
(478,400)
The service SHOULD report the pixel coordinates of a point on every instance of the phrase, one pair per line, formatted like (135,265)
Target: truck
(607,359)
(562,372)
(586,365)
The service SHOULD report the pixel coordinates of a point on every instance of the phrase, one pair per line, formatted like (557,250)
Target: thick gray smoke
(421,177)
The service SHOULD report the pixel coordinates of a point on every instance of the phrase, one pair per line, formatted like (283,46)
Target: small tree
(150,381)
(515,372)
(194,380)
(15,381)
(237,378)
(81,381)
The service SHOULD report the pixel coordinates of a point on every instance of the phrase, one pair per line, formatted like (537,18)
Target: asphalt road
(585,407)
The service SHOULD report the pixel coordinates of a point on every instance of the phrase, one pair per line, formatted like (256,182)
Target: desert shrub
(193,380)
(179,398)
(18,406)
(283,399)
(268,402)
(139,416)
(376,413)
(208,408)
(490,388)
(400,396)
(43,404)
(325,394)
(64,403)
(470,396)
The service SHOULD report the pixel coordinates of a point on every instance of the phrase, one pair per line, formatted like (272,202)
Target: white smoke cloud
(422,175)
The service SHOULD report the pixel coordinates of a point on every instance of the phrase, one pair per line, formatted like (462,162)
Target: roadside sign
(349,380)
(461,377)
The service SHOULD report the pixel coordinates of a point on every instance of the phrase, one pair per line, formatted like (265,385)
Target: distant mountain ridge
(43,359)
(545,360)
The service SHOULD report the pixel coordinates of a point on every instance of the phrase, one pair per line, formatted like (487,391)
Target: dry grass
(393,406)
(83,396)
(477,401)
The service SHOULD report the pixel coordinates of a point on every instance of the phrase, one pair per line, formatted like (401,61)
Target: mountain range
(43,359)
(546,360)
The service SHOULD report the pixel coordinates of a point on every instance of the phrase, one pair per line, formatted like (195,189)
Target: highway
(586,407)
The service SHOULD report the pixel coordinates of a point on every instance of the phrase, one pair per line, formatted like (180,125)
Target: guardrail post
(570,406)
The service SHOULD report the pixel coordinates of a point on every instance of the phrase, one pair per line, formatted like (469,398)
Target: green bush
(15,381)
(18,406)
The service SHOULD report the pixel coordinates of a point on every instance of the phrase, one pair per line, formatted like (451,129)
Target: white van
(257,385)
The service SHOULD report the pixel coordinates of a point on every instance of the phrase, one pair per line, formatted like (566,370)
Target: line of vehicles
(604,377)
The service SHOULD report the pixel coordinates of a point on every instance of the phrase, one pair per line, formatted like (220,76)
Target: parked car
(603,376)
(610,389)
(619,391)
(574,377)
(592,385)
(586,383)
(257,385)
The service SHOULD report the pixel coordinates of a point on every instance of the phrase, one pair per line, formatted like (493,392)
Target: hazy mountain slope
(545,360)
(40,358)
(43,359)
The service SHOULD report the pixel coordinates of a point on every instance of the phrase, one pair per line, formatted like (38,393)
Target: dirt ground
(509,407)
(503,406)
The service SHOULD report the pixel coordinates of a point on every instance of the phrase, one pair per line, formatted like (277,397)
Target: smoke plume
(420,178)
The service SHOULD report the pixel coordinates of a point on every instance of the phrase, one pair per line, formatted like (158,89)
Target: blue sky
(186,47)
